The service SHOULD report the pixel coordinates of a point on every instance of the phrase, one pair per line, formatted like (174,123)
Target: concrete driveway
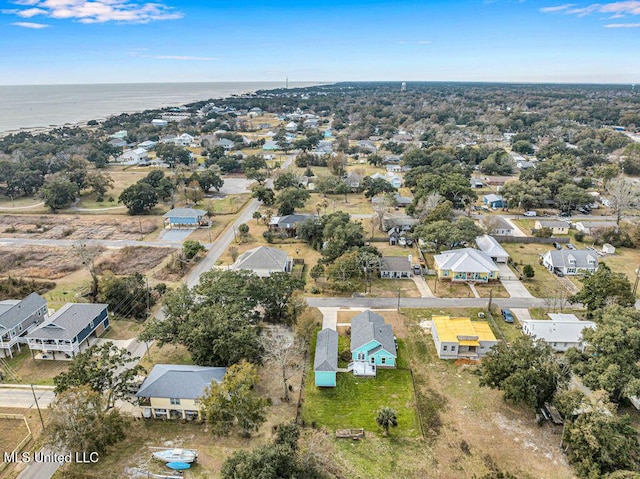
(516,230)
(511,283)
(175,235)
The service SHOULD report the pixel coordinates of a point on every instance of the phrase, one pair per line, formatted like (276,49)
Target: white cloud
(96,11)
(623,25)
(35,26)
(557,8)
(615,9)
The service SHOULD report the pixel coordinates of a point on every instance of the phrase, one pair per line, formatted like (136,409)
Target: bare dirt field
(75,227)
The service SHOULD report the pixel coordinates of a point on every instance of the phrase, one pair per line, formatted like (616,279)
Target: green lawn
(354,402)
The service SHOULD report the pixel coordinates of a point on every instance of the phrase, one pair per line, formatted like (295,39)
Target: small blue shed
(493,201)
(325,363)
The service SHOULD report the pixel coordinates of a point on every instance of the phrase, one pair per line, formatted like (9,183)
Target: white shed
(608,249)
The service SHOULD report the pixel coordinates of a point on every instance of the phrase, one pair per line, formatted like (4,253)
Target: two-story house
(68,331)
(172,391)
(17,318)
(372,344)
(570,262)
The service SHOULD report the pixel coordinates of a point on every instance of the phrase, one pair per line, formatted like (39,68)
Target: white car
(530,213)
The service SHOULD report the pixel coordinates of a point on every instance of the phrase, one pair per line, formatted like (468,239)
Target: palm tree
(386,418)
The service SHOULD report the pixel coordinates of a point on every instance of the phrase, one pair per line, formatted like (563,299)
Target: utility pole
(635,285)
(148,299)
(490,299)
(140,224)
(398,300)
(37,406)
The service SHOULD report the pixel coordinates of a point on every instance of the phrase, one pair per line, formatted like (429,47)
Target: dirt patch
(38,261)
(12,431)
(75,227)
(132,259)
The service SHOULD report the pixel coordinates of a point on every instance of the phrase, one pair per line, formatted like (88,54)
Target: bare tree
(622,195)
(427,204)
(87,255)
(283,351)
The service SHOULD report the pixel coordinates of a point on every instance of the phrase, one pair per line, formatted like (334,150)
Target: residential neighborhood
(402,271)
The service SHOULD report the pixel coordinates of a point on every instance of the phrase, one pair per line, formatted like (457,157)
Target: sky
(132,41)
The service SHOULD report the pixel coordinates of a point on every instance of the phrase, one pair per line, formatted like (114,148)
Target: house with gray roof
(589,227)
(184,218)
(69,331)
(557,227)
(264,261)
(286,225)
(172,391)
(560,331)
(395,267)
(325,363)
(465,265)
(570,262)
(17,318)
(373,344)
(498,226)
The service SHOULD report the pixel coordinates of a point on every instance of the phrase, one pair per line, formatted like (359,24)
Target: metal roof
(179,381)
(557,330)
(262,257)
(466,260)
(489,245)
(184,213)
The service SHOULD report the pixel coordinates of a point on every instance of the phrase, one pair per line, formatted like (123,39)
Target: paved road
(23,397)
(90,242)
(40,470)
(391,303)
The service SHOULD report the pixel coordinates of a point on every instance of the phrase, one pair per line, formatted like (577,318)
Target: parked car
(565,214)
(507,315)
(570,246)
(417,270)
(530,213)
(557,246)
(558,273)
(402,241)
(584,211)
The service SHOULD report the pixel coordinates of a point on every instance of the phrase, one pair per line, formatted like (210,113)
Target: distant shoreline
(42,108)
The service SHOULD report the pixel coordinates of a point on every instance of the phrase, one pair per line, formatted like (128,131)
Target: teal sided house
(372,344)
(325,363)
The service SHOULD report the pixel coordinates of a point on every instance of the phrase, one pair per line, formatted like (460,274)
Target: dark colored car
(417,270)
(557,245)
(507,315)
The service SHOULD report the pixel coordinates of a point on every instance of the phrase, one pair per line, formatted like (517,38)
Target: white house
(466,265)
(557,227)
(490,246)
(570,262)
(498,226)
(561,332)
(159,122)
(588,227)
(184,140)
(263,261)
(134,156)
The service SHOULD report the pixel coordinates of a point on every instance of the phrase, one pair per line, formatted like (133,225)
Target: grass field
(32,371)
(543,284)
(354,402)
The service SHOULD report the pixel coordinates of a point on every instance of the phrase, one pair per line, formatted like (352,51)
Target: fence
(24,441)
(530,239)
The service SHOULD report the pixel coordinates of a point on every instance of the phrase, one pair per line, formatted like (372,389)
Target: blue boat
(178,466)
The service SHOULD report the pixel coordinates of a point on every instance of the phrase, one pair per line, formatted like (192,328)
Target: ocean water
(42,106)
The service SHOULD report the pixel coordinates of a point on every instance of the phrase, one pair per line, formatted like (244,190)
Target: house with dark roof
(373,344)
(172,391)
(184,218)
(395,267)
(17,318)
(325,363)
(264,261)
(69,331)
(286,225)
(570,262)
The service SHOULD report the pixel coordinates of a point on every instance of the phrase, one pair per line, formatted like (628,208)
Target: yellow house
(172,391)
(557,227)
(456,338)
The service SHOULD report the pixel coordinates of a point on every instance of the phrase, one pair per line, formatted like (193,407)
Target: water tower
(403,86)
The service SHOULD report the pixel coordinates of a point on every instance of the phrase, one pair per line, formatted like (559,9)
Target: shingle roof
(262,257)
(490,246)
(326,358)
(553,224)
(179,381)
(184,213)
(369,326)
(288,220)
(501,223)
(395,263)
(562,258)
(13,313)
(68,321)
(466,260)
